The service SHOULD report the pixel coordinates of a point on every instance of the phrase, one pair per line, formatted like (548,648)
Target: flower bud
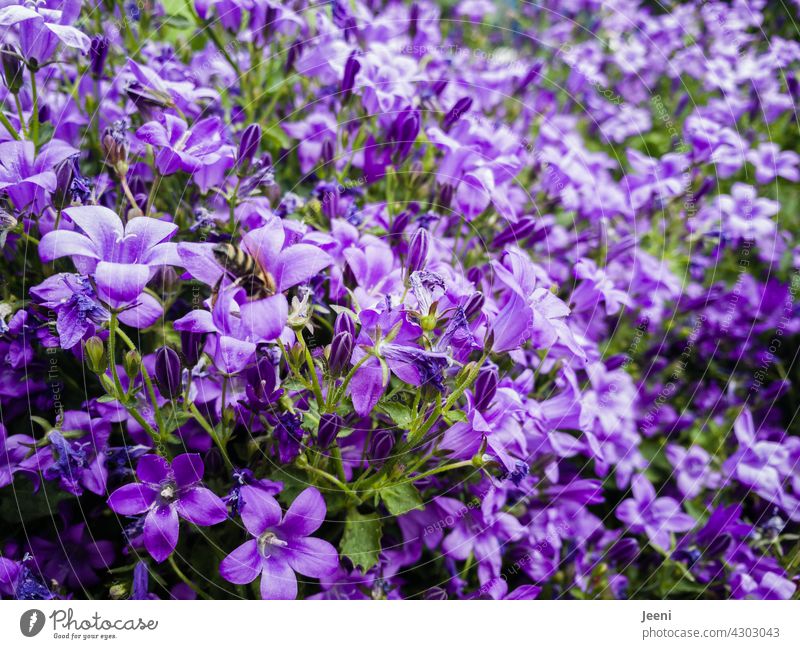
(485,388)
(96,357)
(132,364)
(615,362)
(329,426)
(191,347)
(116,146)
(12,68)
(719,545)
(435,593)
(65,174)
(351,69)
(168,372)
(455,113)
(340,353)
(623,552)
(295,49)
(344,322)
(418,250)
(473,305)
(248,147)
(381,446)
(98,52)
(446,193)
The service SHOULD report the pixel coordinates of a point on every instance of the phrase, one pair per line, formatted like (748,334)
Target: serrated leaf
(361,541)
(401,498)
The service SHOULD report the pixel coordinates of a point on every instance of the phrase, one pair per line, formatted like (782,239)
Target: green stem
(151,198)
(8,126)
(21,115)
(186,580)
(211,431)
(332,479)
(148,383)
(34,129)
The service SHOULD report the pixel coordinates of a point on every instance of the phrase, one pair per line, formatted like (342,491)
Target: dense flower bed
(392,300)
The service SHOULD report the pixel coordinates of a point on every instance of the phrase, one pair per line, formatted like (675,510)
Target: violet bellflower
(166,493)
(121,258)
(656,517)
(183,148)
(282,544)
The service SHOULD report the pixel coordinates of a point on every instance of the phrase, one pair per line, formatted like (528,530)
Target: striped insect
(245,271)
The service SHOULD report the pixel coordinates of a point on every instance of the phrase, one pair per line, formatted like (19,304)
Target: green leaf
(361,542)
(174,418)
(399,412)
(401,498)
(453,416)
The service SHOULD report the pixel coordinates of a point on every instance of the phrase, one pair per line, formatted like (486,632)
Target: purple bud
(403,133)
(455,113)
(191,347)
(623,552)
(719,545)
(439,86)
(341,351)
(65,174)
(435,594)
(12,68)
(327,151)
(248,147)
(98,52)
(329,426)
(413,20)
(381,446)
(475,275)
(683,102)
(115,144)
(485,388)
(705,187)
(351,69)
(168,372)
(418,250)
(793,85)
(615,362)
(473,305)
(344,322)
(445,196)
(529,77)
(295,49)
(516,232)
(399,225)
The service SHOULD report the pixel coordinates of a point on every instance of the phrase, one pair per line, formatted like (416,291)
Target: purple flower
(656,517)
(43,26)
(122,258)
(14,452)
(28,178)
(693,469)
(181,148)
(78,313)
(78,464)
(770,162)
(282,546)
(165,493)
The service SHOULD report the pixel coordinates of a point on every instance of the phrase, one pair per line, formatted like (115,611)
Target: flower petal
(312,557)
(264,319)
(188,469)
(152,469)
(202,507)
(60,243)
(298,264)
(259,510)
(305,514)
(131,499)
(101,225)
(120,284)
(277,579)
(161,532)
(242,565)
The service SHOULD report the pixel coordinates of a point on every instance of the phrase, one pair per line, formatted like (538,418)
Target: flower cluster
(377,299)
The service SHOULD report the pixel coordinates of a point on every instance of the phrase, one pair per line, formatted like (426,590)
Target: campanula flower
(165,493)
(282,544)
